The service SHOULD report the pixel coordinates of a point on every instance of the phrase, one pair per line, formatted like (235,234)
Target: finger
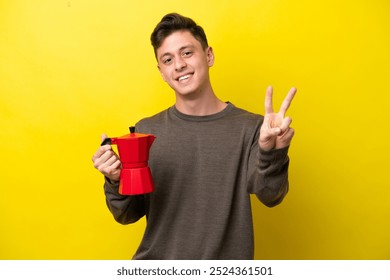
(112,171)
(117,164)
(114,168)
(267,138)
(290,134)
(268,101)
(104,164)
(102,150)
(287,101)
(104,136)
(111,161)
(100,157)
(285,139)
(270,133)
(285,124)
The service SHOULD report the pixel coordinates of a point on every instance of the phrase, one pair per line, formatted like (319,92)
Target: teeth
(184,77)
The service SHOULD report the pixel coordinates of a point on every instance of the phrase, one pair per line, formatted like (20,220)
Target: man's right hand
(107,162)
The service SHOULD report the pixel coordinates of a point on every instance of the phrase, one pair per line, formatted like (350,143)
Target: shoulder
(244,115)
(245,123)
(147,125)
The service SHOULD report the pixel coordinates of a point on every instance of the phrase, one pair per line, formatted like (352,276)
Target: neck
(202,105)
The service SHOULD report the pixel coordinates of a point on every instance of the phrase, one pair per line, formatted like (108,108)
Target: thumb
(276,131)
(270,132)
(104,136)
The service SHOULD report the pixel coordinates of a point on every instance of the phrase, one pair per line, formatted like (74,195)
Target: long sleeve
(268,175)
(201,166)
(126,209)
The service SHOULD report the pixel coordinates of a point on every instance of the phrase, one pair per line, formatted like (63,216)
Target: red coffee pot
(133,149)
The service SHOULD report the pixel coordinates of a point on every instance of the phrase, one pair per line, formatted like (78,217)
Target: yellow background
(71,70)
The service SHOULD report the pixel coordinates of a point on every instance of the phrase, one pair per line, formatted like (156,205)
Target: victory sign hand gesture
(275,132)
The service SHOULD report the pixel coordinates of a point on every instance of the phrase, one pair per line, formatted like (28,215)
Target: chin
(184,91)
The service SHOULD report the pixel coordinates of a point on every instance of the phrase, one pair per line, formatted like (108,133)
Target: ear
(210,56)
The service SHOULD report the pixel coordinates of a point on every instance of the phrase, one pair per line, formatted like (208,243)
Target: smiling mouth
(183,78)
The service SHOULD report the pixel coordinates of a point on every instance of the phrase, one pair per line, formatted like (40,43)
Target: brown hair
(174,22)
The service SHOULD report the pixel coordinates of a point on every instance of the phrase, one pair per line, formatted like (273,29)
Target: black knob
(106,141)
(132,129)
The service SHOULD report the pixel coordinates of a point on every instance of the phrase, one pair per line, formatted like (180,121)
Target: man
(208,157)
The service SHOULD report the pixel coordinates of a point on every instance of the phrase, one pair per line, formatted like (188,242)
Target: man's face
(184,64)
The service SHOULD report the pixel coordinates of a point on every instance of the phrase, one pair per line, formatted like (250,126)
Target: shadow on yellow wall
(71,70)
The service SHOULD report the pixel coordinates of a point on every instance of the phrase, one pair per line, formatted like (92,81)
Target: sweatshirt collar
(173,110)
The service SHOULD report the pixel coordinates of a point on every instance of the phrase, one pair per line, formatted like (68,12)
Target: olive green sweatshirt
(204,169)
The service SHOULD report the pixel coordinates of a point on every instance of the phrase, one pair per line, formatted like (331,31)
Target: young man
(208,157)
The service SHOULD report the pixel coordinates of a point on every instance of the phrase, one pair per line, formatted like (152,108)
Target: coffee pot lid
(134,134)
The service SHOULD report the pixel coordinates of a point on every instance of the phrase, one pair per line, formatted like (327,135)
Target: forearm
(269,176)
(126,209)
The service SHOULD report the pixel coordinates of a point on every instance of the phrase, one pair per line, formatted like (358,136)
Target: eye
(167,60)
(187,53)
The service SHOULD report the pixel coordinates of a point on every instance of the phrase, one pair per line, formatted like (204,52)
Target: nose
(180,63)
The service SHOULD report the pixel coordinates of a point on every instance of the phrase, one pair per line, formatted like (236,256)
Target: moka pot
(133,149)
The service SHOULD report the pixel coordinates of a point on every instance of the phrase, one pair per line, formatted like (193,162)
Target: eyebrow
(182,48)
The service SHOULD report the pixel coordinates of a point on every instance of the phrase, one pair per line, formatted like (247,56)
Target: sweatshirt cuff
(273,155)
(111,184)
